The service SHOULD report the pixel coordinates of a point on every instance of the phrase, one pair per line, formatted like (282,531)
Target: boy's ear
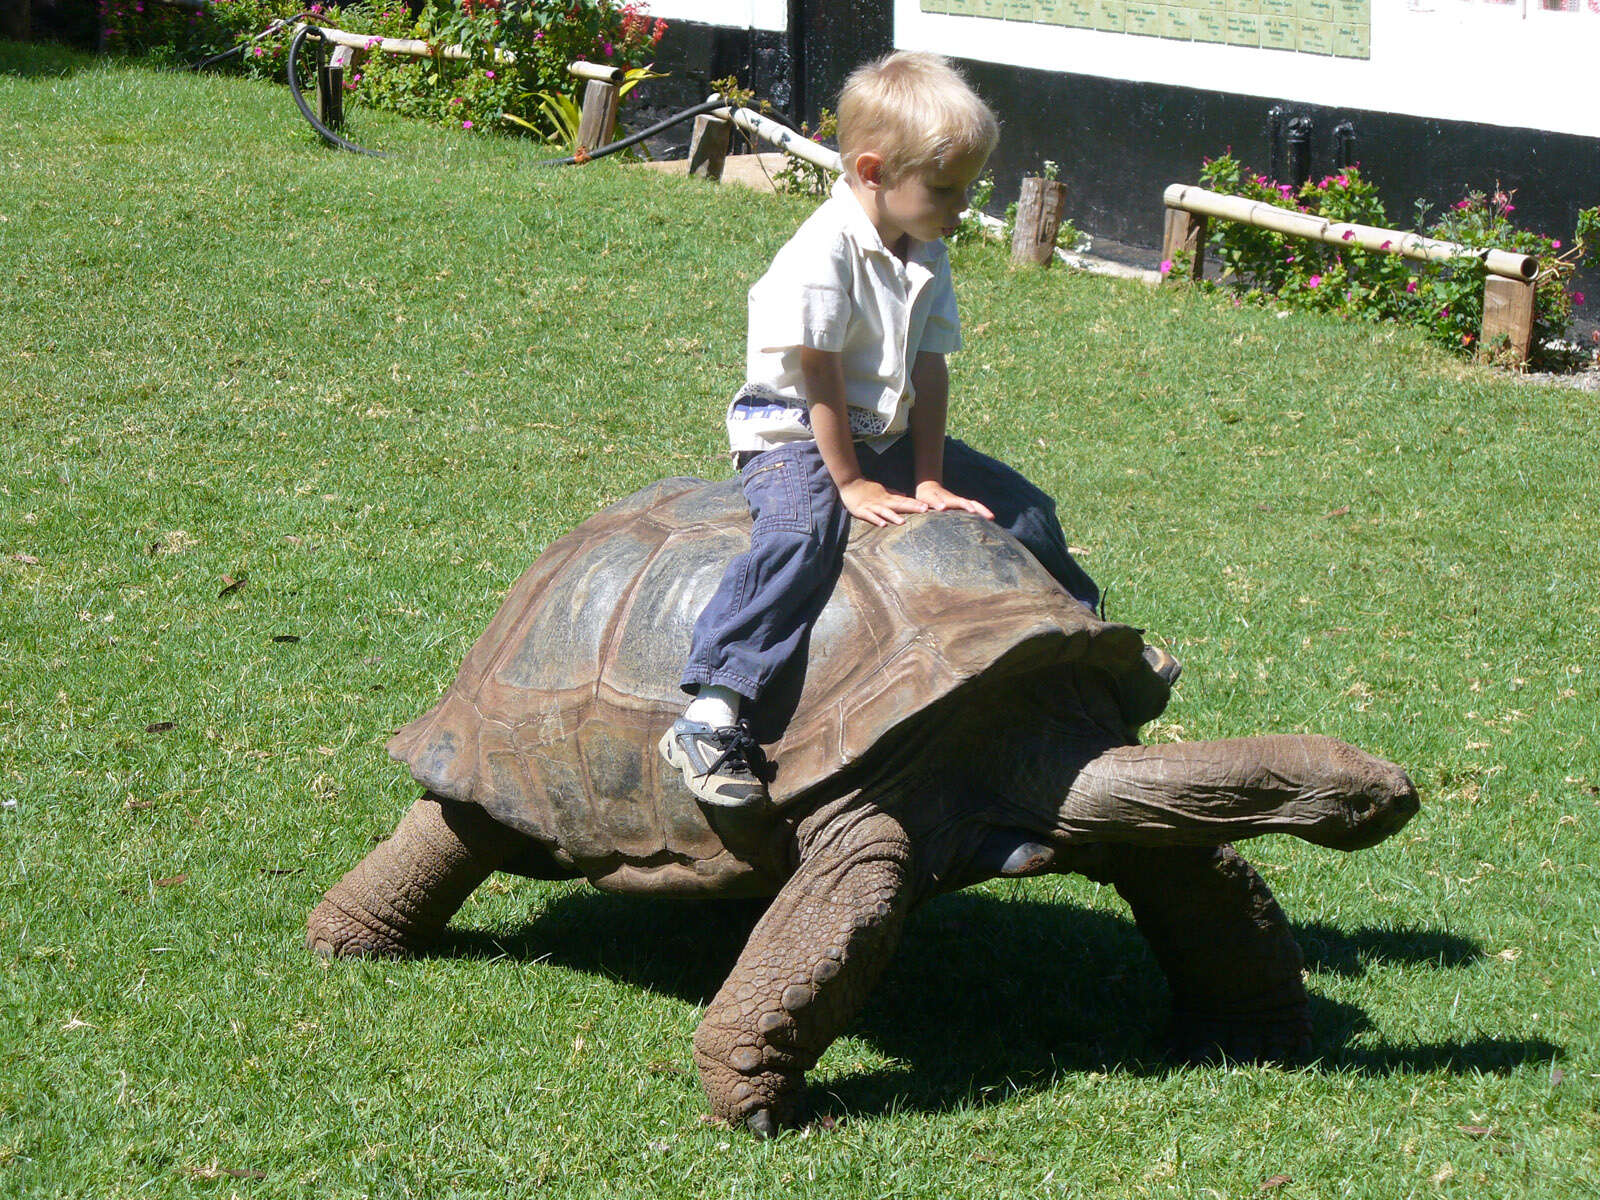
(869,168)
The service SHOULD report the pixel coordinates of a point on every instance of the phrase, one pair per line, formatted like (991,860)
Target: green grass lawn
(282,425)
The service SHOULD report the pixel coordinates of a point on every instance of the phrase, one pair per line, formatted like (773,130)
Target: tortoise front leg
(808,967)
(400,896)
(1224,944)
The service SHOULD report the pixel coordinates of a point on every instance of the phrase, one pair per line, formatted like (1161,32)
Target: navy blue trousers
(769,597)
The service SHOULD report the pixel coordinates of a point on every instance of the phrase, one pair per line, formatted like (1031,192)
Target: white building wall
(734,14)
(1521,63)
(1514,64)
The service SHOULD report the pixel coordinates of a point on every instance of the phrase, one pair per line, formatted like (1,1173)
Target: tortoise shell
(552,723)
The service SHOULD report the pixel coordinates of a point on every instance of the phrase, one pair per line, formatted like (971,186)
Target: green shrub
(179,36)
(543,36)
(1444,298)
(805,178)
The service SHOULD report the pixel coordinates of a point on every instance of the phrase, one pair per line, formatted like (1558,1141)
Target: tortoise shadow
(968,1016)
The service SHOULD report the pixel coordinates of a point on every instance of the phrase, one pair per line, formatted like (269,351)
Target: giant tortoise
(959,717)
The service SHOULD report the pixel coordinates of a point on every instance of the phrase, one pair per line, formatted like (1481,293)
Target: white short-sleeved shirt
(835,286)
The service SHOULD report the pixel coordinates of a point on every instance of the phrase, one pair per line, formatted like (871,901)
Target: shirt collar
(866,233)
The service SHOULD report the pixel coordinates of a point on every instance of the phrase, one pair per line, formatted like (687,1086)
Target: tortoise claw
(762,1124)
(332,932)
(1281,1038)
(1007,853)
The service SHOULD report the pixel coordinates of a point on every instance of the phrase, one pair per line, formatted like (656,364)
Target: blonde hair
(916,112)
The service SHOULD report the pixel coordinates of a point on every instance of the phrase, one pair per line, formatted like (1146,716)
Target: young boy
(843,411)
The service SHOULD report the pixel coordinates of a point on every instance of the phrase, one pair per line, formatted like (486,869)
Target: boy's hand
(941,499)
(873,502)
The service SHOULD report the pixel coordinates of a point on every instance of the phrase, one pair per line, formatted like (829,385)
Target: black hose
(281,23)
(216,58)
(633,139)
(333,139)
(327,135)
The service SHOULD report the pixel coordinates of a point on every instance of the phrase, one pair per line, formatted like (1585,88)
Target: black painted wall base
(1120,143)
(694,55)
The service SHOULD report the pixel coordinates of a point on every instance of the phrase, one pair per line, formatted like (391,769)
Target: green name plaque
(1334,28)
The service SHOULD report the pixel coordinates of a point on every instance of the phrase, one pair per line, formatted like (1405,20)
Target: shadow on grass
(1335,952)
(988,997)
(39,60)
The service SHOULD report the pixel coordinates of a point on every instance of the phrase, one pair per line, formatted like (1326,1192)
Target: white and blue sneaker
(723,765)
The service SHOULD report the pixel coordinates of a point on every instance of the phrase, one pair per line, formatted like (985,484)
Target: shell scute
(568,620)
(620,805)
(667,596)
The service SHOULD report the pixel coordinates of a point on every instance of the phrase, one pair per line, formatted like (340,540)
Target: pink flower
(609,50)
(1463,204)
(1387,242)
(488,74)
(1348,235)
(1411,286)
(1314,281)
(1556,244)
(1577,297)
(466,124)
(1343,181)
(1166,266)
(1288,258)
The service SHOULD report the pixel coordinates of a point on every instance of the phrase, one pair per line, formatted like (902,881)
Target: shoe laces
(739,748)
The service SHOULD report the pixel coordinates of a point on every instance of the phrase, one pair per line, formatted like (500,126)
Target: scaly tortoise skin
(959,717)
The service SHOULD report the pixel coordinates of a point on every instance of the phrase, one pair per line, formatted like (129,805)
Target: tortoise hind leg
(400,896)
(808,967)
(1225,946)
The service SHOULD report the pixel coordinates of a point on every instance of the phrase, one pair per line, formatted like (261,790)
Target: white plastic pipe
(589,70)
(415,47)
(783,137)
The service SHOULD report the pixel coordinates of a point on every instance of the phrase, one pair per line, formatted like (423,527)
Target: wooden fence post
(1185,235)
(1507,313)
(708,148)
(330,87)
(1039,209)
(599,119)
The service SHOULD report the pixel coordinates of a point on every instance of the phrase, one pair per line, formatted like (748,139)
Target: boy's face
(928,205)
